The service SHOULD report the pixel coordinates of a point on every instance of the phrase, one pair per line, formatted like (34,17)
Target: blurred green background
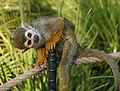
(96,24)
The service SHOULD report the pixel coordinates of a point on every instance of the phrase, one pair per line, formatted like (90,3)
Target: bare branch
(86,60)
(21,78)
(88,56)
(83,60)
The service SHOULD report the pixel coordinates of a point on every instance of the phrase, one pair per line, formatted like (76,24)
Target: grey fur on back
(47,26)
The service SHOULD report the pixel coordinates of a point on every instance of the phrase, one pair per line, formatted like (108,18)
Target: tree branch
(88,56)
(22,77)
(86,60)
(83,60)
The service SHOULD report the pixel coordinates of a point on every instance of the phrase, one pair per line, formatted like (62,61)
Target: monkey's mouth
(25,50)
(36,38)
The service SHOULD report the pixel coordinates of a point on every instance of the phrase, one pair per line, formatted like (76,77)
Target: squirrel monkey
(42,35)
(47,32)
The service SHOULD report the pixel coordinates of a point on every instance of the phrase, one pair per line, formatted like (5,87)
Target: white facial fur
(29,38)
(29,34)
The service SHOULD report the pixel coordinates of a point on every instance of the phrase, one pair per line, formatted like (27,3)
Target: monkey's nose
(36,39)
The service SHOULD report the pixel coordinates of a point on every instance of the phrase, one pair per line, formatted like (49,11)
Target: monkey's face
(32,38)
(27,37)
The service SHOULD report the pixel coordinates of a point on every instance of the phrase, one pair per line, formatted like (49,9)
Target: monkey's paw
(38,66)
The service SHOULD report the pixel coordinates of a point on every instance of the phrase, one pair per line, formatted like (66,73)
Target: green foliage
(96,25)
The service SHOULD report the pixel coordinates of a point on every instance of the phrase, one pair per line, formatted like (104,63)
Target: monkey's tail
(87,56)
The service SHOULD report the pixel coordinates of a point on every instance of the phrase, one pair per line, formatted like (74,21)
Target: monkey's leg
(64,66)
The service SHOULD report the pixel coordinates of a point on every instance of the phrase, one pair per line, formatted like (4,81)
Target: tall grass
(96,25)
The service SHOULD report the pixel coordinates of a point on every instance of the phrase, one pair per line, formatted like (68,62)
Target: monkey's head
(27,37)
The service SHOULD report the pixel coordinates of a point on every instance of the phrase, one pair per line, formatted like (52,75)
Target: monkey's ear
(25,25)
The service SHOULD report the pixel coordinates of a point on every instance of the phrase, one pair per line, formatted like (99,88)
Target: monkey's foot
(38,66)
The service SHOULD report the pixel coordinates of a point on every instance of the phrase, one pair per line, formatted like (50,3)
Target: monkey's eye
(29,42)
(29,35)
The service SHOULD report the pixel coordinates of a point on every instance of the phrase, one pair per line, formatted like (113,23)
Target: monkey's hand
(50,44)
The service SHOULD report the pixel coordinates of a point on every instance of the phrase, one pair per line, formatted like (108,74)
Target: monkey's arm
(41,55)
(49,45)
(64,66)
